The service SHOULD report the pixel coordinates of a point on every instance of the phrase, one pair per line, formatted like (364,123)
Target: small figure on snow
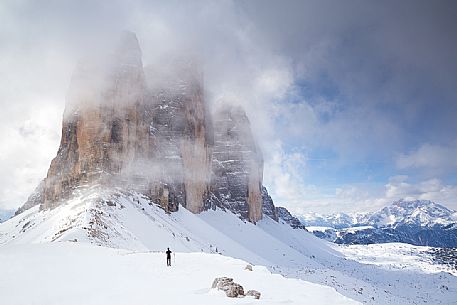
(168,257)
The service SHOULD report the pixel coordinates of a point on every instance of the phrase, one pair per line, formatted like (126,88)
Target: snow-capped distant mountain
(418,222)
(423,213)
(336,221)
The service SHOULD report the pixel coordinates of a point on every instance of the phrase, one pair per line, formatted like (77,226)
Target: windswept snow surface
(74,273)
(395,256)
(131,222)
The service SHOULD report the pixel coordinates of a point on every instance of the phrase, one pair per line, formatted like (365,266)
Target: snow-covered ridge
(419,212)
(424,213)
(419,222)
(128,220)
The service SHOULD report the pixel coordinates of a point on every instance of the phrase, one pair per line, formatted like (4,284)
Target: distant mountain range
(419,222)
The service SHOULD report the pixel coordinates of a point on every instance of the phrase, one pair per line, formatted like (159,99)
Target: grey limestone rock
(237,165)
(231,289)
(253,293)
(288,218)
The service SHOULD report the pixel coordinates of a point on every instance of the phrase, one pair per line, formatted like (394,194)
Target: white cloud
(431,189)
(283,176)
(363,197)
(436,159)
(345,198)
(29,144)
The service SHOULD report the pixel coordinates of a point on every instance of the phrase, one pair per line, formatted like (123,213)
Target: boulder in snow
(253,293)
(231,289)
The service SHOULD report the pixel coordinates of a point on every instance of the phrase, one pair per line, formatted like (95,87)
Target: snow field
(67,273)
(393,256)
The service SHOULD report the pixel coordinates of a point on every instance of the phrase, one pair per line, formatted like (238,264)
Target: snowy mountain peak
(419,212)
(417,222)
(425,205)
(339,220)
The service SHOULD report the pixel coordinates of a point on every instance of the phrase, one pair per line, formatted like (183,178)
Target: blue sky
(374,106)
(353,103)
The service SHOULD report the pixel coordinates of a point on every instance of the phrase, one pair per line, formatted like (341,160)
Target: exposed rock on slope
(226,284)
(288,218)
(34,199)
(268,208)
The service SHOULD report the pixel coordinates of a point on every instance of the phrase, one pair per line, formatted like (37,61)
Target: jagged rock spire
(128,51)
(156,137)
(101,128)
(237,164)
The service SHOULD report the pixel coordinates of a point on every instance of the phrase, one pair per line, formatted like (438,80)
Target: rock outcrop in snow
(232,289)
(253,293)
(226,284)
(285,216)
(268,207)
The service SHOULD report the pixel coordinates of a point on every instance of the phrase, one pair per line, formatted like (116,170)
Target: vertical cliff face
(237,164)
(180,129)
(120,130)
(101,128)
(150,130)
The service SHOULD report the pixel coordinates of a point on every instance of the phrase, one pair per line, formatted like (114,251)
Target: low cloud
(431,189)
(283,175)
(362,198)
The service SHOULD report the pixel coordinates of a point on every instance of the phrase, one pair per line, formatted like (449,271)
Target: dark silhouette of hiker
(168,257)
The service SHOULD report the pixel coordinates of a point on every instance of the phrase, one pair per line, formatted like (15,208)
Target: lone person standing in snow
(168,257)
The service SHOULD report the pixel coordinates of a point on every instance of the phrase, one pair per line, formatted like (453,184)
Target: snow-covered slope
(84,274)
(399,256)
(129,221)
